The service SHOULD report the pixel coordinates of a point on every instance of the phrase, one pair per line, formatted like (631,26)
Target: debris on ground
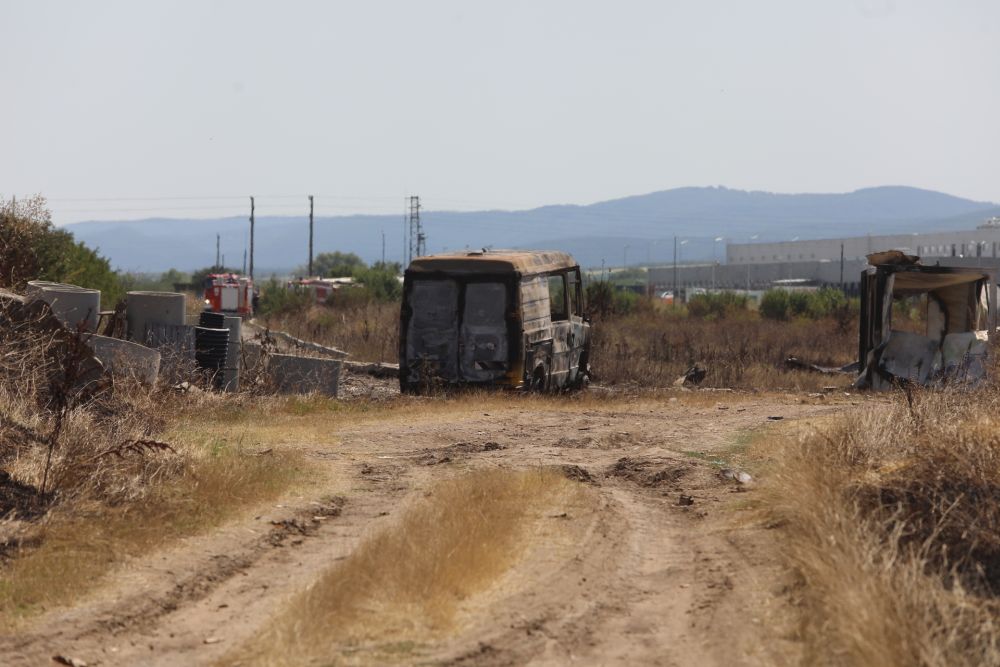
(374,369)
(648,473)
(794,363)
(578,474)
(692,376)
(736,475)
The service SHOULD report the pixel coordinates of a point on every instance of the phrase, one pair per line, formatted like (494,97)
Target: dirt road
(668,566)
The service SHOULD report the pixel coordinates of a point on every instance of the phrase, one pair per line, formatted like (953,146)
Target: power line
(212,197)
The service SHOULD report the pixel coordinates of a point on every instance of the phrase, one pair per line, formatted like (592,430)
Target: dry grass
(408,581)
(651,347)
(75,546)
(368,331)
(891,517)
(88,479)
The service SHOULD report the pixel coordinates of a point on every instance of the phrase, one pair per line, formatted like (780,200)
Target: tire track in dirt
(634,577)
(190,604)
(654,580)
(649,582)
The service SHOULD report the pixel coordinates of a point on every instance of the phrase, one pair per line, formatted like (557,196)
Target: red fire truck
(320,288)
(229,293)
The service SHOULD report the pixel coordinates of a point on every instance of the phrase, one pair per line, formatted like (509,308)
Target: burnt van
(501,318)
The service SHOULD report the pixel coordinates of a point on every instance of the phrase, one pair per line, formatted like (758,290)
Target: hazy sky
(134,109)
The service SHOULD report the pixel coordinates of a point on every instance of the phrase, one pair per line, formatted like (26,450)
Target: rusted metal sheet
(524,262)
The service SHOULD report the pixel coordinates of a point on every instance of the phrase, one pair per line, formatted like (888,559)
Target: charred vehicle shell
(960,314)
(505,318)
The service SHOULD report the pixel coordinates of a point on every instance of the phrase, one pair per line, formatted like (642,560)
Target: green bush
(604,299)
(779,304)
(717,305)
(32,248)
(157,282)
(333,265)
(774,304)
(277,299)
(380,281)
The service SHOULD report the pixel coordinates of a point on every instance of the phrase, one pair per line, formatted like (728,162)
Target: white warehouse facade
(981,242)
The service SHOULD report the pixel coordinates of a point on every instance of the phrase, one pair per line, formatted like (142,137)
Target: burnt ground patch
(578,474)
(650,473)
(433,457)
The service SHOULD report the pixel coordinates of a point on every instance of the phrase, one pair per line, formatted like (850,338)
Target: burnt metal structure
(961,313)
(503,318)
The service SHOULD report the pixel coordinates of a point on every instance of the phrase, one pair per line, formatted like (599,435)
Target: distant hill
(595,232)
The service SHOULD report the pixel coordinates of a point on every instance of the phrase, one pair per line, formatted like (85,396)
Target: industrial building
(984,241)
(829,262)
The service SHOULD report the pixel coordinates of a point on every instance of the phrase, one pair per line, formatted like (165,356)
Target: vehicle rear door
(483,344)
(432,332)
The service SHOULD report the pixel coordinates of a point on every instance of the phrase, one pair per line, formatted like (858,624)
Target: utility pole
(217,265)
(675,269)
(649,269)
(251,238)
(383,248)
(417,237)
(244,261)
(841,267)
(310,236)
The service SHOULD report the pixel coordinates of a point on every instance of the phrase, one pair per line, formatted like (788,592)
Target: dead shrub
(891,517)
(654,348)
(649,347)
(368,330)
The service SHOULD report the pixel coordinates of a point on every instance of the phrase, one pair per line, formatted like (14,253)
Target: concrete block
(121,357)
(290,374)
